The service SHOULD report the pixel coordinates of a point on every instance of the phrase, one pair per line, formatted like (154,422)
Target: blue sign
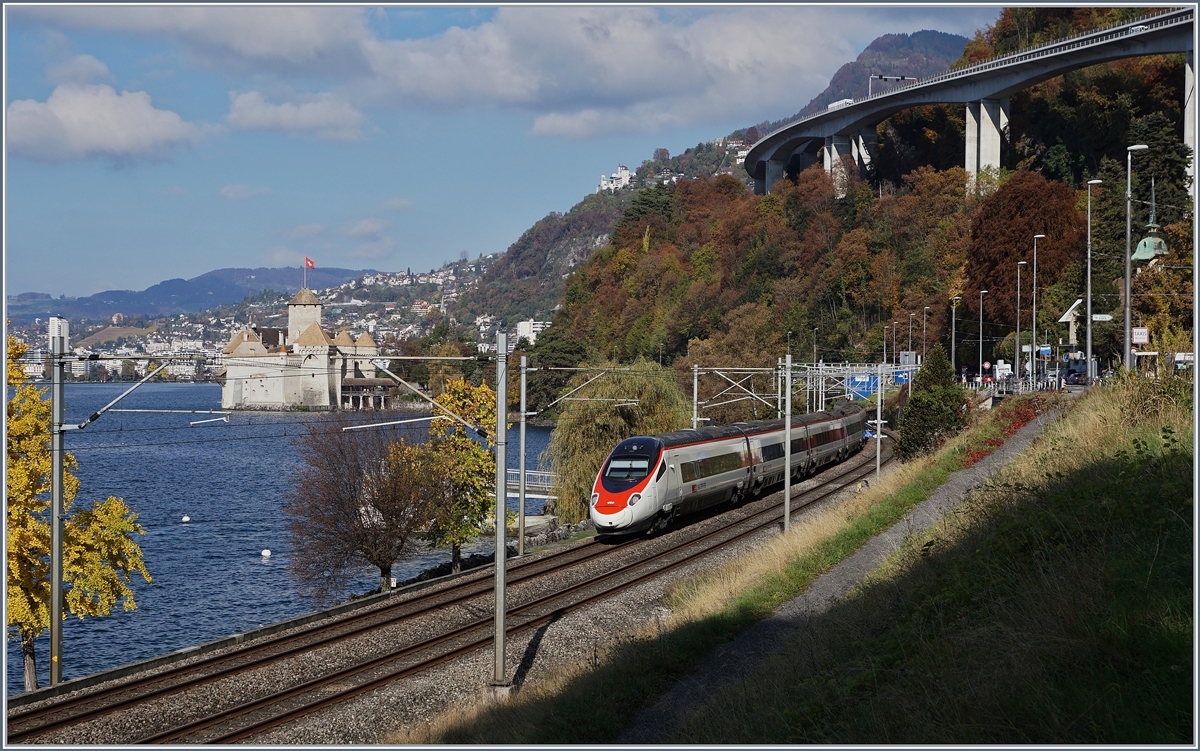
(863,386)
(902,376)
(1044,350)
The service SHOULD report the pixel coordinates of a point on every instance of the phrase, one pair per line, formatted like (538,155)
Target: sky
(145,143)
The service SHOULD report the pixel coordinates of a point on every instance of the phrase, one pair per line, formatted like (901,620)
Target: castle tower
(303,310)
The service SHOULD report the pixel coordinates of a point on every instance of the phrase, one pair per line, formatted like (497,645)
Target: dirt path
(734,661)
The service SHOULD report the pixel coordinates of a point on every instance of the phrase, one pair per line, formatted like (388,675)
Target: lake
(231,479)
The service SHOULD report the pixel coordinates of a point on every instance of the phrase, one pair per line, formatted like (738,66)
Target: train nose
(612,521)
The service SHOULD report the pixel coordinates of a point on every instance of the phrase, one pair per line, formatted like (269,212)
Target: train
(648,482)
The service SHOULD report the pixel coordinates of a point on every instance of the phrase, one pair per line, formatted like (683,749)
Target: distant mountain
(220,287)
(920,54)
(528,280)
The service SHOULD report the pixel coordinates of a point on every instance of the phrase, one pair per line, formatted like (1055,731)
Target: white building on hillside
(530,329)
(619,179)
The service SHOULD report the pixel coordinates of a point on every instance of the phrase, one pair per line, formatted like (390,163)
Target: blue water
(210,578)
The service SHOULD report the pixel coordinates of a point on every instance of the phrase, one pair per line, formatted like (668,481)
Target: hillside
(527,281)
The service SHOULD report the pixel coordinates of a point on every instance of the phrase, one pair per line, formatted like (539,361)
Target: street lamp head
(1095,182)
(1022,263)
(1039,237)
(956,298)
(1138,147)
(983,291)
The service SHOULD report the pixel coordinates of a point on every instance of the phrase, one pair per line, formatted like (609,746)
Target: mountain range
(174,296)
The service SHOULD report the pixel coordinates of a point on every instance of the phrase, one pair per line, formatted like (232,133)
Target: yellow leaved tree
(99,552)
(470,466)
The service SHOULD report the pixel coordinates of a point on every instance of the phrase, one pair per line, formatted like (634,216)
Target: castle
(302,368)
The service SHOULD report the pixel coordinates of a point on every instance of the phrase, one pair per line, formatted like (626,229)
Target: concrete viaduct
(984,88)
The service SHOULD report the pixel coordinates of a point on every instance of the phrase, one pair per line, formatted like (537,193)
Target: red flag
(308,263)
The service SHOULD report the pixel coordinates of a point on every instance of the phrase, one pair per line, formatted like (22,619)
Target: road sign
(1141,335)
(1044,350)
(987,365)
(1101,317)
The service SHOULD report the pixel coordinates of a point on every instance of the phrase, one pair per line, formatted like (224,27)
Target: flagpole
(305,285)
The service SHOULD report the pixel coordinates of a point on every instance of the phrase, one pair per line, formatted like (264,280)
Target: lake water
(231,479)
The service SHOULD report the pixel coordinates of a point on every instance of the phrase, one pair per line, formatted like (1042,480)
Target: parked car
(1076,379)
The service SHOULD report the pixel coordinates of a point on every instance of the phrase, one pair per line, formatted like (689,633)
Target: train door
(673,489)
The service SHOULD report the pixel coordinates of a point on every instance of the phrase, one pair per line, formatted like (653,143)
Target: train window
(715,465)
(662,468)
(774,451)
(687,471)
(798,445)
(627,468)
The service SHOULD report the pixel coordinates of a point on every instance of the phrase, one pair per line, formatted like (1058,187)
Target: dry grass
(1053,607)
(702,595)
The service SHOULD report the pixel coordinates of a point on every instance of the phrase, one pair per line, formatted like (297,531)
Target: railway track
(247,718)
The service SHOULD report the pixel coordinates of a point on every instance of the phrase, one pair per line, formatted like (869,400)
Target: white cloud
(397,204)
(81,69)
(298,41)
(322,114)
(241,192)
(376,249)
(579,70)
(79,122)
(369,228)
(596,70)
(305,231)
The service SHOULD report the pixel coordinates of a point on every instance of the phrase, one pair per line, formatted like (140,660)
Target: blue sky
(145,143)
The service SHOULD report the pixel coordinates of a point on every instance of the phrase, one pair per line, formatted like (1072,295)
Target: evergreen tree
(936,408)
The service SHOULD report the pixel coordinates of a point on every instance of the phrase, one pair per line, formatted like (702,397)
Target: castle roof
(304,297)
(241,337)
(313,336)
(365,340)
(343,339)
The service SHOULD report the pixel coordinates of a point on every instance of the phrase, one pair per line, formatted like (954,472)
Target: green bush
(936,407)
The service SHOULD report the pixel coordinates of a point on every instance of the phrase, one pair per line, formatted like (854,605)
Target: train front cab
(625,495)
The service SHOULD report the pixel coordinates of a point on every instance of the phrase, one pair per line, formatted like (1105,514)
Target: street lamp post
(982,292)
(789,350)
(1090,373)
(895,354)
(924,349)
(815,330)
(911,316)
(953,332)
(1034,350)
(1128,354)
(885,342)
(1017,349)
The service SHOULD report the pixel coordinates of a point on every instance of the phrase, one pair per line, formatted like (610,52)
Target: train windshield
(627,468)
(631,461)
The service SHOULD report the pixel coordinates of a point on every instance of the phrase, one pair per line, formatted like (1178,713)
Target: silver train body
(648,481)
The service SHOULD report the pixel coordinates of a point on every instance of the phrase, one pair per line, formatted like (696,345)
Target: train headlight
(595,498)
(633,499)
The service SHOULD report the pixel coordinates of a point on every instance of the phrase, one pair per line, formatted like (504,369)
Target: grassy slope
(1053,608)
(594,702)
